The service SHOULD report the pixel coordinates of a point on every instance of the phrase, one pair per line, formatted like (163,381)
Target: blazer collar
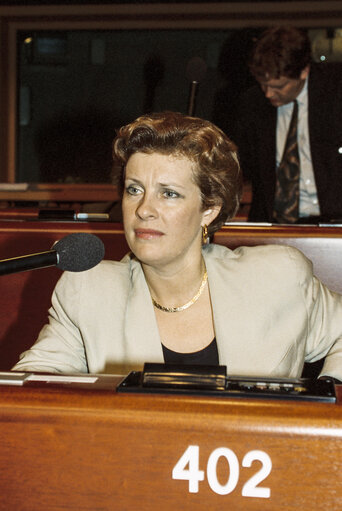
(142,340)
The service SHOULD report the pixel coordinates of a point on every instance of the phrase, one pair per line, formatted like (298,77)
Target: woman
(175,298)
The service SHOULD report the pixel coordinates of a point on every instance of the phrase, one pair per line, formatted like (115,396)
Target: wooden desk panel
(98,450)
(21,237)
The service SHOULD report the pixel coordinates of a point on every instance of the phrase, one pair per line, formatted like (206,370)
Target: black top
(207,356)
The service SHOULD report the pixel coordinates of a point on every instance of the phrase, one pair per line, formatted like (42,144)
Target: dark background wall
(73,83)
(81,86)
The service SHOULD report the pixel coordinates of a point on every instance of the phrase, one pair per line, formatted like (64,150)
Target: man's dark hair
(280,51)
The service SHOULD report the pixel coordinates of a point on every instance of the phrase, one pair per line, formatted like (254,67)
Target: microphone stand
(192,98)
(28,262)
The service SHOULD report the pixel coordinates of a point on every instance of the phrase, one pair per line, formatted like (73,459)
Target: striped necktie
(286,201)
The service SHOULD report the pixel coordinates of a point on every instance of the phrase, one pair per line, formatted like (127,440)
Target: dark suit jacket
(255,136)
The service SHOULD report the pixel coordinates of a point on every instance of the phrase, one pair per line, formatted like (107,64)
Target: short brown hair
(280,51)
(216,167)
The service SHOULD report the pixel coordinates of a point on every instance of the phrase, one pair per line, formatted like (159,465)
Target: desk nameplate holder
(213,381)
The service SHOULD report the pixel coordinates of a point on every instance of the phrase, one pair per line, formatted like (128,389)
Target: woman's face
(162,209)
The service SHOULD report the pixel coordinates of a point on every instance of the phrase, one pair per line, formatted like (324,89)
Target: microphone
(76,252)
(195,71)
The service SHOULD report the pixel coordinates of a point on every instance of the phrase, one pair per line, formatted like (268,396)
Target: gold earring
(205,236)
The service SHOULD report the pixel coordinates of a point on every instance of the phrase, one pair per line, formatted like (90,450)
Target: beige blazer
(270,315)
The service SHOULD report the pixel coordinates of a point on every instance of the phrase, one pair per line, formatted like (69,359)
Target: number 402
(190,459)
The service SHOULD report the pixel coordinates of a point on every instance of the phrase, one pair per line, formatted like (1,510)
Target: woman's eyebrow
(176,185)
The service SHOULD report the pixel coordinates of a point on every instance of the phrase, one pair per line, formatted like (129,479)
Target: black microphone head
(196,69)
(79,251)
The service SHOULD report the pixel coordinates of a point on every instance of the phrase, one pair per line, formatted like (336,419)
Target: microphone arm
(195,72)
(192,98)
(28,262)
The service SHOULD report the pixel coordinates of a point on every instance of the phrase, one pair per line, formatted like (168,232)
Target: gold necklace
(186,305)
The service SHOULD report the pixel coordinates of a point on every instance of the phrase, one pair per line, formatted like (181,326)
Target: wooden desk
(82,449)
(59,193)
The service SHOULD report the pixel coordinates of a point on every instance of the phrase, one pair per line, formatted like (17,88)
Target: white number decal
(250,487)
(191,458)
(233,478)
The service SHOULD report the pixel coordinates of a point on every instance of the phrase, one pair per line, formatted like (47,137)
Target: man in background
(289,132)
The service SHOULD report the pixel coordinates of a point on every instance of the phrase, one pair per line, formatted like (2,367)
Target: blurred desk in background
(55,193)
(16,198)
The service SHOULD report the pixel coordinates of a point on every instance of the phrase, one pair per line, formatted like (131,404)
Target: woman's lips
(148,234)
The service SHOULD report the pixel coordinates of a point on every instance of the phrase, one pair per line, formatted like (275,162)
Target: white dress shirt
(308,200)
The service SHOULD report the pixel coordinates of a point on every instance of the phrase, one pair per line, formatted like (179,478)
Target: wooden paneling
(66,448)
